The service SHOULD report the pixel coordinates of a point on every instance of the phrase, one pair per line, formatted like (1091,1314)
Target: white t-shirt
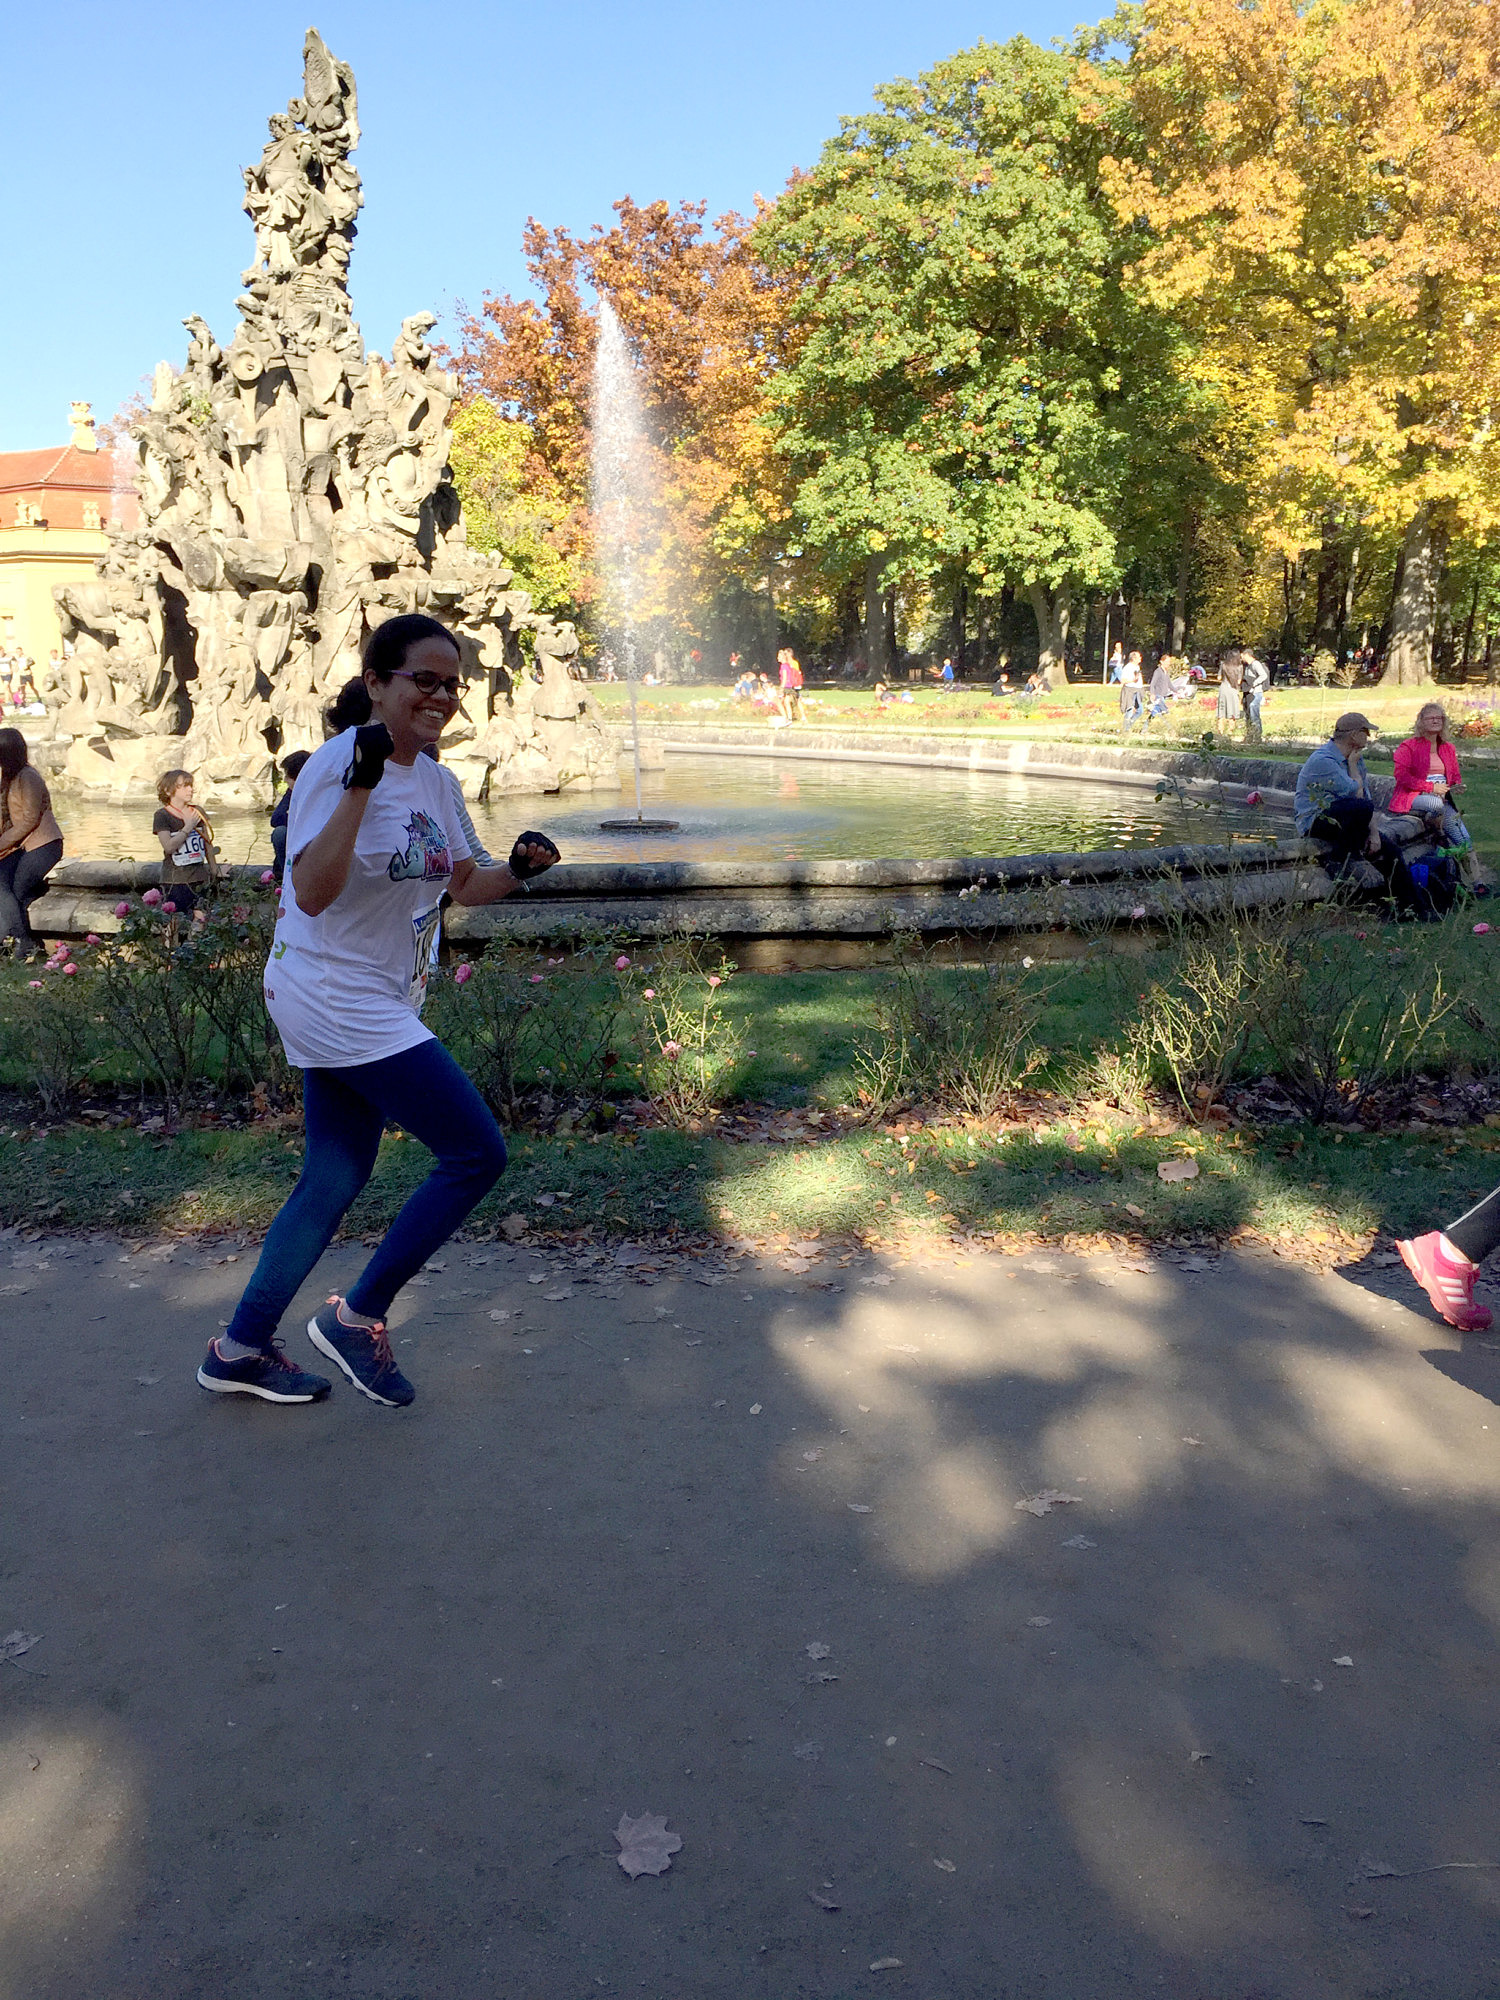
(347,987)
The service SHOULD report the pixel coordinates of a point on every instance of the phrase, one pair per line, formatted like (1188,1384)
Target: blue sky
(126,127)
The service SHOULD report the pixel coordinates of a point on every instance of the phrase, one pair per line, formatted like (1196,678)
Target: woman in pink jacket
(1427,776)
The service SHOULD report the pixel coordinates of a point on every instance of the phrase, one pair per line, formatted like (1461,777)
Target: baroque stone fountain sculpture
(293,492)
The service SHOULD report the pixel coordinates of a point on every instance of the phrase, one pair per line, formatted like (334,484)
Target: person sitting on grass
(1427,776)
(1334,806)
(186,843)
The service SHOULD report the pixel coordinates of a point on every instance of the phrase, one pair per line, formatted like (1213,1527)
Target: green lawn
(1072,1177)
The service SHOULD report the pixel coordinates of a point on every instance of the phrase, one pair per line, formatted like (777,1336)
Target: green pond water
(748,809)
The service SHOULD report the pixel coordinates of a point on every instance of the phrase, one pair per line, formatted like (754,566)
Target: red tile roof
(60,467)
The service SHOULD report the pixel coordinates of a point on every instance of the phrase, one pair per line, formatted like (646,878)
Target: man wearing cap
(1334,804)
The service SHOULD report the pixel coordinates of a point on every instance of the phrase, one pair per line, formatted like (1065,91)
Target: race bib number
(424,928)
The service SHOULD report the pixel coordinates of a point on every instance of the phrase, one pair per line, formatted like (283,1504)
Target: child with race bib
(373,844)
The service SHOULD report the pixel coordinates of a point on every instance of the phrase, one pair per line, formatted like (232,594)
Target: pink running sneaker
(1450,1286)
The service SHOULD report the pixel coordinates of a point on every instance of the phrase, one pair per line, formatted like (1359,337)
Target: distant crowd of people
(19,694)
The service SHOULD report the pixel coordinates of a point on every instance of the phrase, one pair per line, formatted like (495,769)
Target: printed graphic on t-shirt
(428,857)
(424,934)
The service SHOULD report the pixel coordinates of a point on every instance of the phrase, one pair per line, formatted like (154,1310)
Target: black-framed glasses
(430,683)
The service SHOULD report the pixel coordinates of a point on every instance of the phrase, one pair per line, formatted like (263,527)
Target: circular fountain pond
(749,809)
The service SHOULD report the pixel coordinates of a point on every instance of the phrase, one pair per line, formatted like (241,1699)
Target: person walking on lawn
(374,842)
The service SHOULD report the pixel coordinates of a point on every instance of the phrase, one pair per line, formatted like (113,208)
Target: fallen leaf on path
(935,1764)
(14,1644)
(33,1760)
(1177,1170)
(1313,1822)
(436,1264)
(1199,1756)
(1038,1621)
(148,1381)
(500,1312)
(822,1901)
(812,1457)
(646,1848)
(1343,1660)
(1194,1263)
(557,1297)
(808,1752)
(1196,1441)
(878,1278)
(855,1508)
(816,1650)
(537,1278)
(513,1226)
(820,1680)
(884,1964)
(755,1409)
(1043,1502)
(1360,1910)
(1079,1542)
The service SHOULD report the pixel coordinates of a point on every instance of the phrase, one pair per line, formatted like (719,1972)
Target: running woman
(374,842)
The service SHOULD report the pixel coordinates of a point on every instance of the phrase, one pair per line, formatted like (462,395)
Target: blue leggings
(425,1092)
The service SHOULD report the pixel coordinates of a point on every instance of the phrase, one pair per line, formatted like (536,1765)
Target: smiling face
(412,717)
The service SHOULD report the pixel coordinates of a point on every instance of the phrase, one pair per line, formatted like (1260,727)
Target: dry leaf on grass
(1043,1502)
(513,1226)
(1131,1209)
(646,1848)
(1177,1170)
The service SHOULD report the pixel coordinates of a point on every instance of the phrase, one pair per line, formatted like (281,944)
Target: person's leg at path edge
(425,1092)
(343,1138)
(1445,1262)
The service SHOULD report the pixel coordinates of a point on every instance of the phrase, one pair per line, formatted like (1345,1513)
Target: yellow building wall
(31,561)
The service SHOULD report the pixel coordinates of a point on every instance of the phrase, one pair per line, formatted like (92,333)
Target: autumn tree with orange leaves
(1322,190)
(704,319)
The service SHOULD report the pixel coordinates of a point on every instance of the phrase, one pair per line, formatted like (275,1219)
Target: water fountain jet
(624,500)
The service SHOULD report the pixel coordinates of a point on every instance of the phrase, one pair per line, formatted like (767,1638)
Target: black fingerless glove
(521,865)
(372,745)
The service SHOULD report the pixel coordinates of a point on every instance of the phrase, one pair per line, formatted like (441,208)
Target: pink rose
(151,898)
(463,975)
(35,985)
(267,878)
(536,978)
(122,909)
(650,992)
(1254,799)
(169,909)
(93,938)
(1139,910)
(622,964)
(1481,930)
(671,1050)
(69,968)
(714,979)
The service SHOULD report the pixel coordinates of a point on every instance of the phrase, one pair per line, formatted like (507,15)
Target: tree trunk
(1180,594)
(877,656)
(1469,628)
(1054,610)
(1327,613)
(1408,662)
(892,650)
(960,627)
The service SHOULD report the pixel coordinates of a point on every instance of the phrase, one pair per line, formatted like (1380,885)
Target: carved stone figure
(293,492)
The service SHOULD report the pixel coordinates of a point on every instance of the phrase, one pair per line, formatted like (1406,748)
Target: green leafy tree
(971,388)
(502,515)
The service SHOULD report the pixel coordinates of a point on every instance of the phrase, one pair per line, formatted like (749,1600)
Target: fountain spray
(624,502)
